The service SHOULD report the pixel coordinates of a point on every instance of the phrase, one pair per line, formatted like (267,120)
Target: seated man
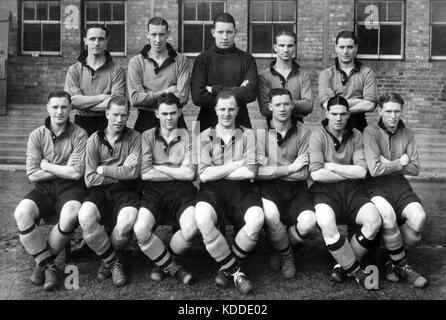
(226,164)
(337,164)
(55,163)
(167,171)
(112,165)
(391,153)
(282,153)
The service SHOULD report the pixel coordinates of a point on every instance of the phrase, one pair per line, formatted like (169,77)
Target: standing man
(55,163)
(113,157)
(223,67)
(94,80)
(167,170)
(350,79)
(337,165)
(391,153)
(156,70)
(284,72)
(282,153)
(226,164)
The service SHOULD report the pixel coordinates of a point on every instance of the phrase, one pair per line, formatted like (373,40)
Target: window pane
(268,11)
(55,11)
(261,38)
(92,12)
(288,11)
(116,39)
(208,38)
(390,42)
(438,11)
(369,9)
(439,40)
(189,11)
(29,11)
(193,39)
(280,27)
(258,11)
(367,40)
(105,12)
(203,9)
(216,8)
(276,11)
(31,37)
(42,11)
(51,37)
(118,12)
(395,12)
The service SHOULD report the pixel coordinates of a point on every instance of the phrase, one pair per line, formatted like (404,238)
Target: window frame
(183,22)
(378,56)
(85,22)
(41,22)
(271,23)
(431,24)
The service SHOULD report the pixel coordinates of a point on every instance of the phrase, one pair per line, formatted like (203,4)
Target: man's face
(224,34)
(284,47)
(346,50)
(59,110)
(281,107)
(390,114)
(168,115)
(96,41)
(157,36)
(337,117)
(117,117)
(226,110)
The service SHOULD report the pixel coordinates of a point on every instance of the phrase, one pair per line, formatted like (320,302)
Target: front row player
(282,154)
(55,163)
(227,163)
(337,166)
(167,171)
(113,157)
(391,153)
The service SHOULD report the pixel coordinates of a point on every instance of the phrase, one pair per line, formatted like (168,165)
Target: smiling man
(156,70)
(223,67)
(350,79)
(94,80)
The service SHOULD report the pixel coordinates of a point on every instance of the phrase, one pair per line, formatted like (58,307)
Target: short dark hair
(390,97)
(337,100)
(118,101)
(96,26)
(279,92)
(223,17)
(168,98)
(226,94)
(284,32)
(59,94)
(347,35)
(158,21)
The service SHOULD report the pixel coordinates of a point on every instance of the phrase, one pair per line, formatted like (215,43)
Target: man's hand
(105,96)
(209,89)
(299,163)
(244,83)
(100,170)
(171,89)
(404,160)
(44,164)
(131,160)
(383,159)
(73,159)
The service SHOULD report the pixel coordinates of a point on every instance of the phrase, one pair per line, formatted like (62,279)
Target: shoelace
(238,274)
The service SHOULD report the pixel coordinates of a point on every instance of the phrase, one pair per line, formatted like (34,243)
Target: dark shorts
(230,200)
(91,124)
(168,200)
(290,197)
(110,199)
(345,198)
(147,120)
(395,189)
(51,196)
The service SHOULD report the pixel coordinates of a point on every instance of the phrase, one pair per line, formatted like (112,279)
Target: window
(266,19)
(197,17)
(380,29)
(112,14)
(438,30)
(41,28)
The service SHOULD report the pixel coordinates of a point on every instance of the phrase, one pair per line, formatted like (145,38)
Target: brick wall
(422,82)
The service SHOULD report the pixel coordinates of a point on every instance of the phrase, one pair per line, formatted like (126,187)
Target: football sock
(279,238)
(294,233)
(119,241)
(100,243)
(394,244)
(36,245)
(178,245)
(243,244)
(360,244)
(58,239)
(219,250)
(156,251)
(410,236)
(343,254)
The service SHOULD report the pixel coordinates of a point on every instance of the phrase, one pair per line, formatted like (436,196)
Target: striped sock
(243,244)
(342,252)
(410,236)
(156,251)
(294,233)
(219,249)
(178,245)
(100,243)
(35,244)
(360,245)
(279,239)
(394,243)
(58,239)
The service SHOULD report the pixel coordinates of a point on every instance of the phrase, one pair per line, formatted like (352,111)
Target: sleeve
(303,148)
(200,96)
(264,88)
(118,83)
(326,90)
(204,153)
(369,91)
(33,153)
(249,152)
(413,168)
(316,149)
(80,142)
(261,157)
(92,160)
(358,152)
(147,152)
(183,80)
(72,81)
(135,85)
(304,106)
(188,155)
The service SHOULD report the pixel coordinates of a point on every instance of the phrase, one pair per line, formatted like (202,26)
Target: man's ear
(157,113)
(270,107)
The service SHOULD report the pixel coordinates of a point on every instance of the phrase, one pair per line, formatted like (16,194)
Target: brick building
(403,41)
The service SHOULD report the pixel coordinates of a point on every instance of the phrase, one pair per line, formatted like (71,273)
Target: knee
(87,217)
(126,221)
(372,220)
(24,218)
(189,232)
(307,220)
(388,217)
(203,218)
(69,214)
(254,219)
(143,228)
(327,225)
(417,220)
